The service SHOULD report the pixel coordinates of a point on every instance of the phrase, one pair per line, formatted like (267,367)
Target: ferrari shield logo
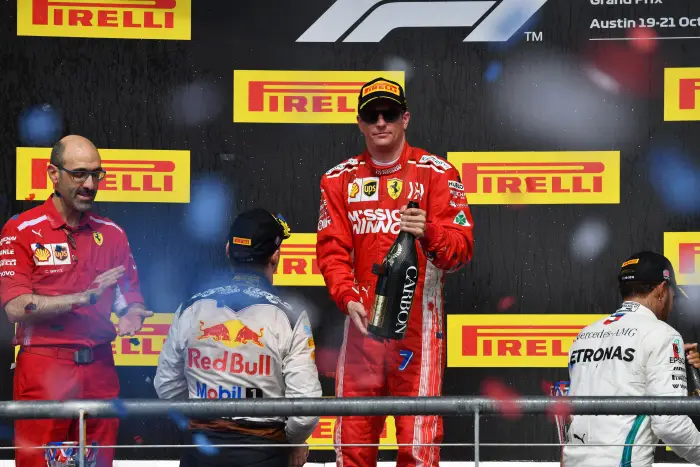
(394,186)
(98,238)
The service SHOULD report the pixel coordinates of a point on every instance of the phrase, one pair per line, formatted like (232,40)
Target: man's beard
(81,204)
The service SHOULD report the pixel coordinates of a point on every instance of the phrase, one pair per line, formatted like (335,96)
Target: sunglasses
(371,116)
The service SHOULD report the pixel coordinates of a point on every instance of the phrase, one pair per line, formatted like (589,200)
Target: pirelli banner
(683,250)
(561,177)
(506,340)
(140,19)
(285,96)
(298,265)
(133,175)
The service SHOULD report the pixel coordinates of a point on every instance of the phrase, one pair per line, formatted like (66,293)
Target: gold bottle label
(378,311)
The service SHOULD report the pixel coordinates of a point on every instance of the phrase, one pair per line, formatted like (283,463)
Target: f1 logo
(372,20)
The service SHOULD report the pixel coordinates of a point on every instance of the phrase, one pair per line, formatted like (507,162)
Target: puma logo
(37,233)
(580,437)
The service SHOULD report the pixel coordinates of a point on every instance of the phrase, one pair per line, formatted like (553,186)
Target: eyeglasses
(371,116)
(80,176)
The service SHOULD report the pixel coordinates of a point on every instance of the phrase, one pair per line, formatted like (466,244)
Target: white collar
(630,306)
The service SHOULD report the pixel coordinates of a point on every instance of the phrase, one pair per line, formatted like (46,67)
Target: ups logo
(370,188)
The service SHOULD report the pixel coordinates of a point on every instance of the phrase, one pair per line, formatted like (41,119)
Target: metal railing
(451,406)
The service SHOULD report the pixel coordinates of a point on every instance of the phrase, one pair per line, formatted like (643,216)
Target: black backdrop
(119,93)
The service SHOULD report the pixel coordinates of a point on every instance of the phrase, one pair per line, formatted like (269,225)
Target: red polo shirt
(40,254)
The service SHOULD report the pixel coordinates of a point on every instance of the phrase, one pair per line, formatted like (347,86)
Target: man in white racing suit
(632,352)
(243,341)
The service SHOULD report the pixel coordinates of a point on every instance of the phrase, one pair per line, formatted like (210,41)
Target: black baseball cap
(382,88)
(647,266)
(255,235)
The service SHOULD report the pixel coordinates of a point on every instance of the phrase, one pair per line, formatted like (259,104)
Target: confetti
(6,432)
(560,408)
(204,445)
(546,387)
(119,406)
(589,240)
(40,125)
(148,380)
(505,303)
(180,420)
(138,440)
(504,396)
(644,39)
(676,178)
(326,361)
(493,71)
(400,63)
(134,341)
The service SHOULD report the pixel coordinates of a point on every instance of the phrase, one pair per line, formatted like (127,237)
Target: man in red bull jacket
(63,269)
(243,341)
(363,207)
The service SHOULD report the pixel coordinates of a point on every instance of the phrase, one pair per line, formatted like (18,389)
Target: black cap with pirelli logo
(647,266)
(382,88)
(255,235)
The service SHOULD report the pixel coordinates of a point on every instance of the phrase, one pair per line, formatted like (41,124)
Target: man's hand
(132,321)
(357,313)
(298,456)
(103,282)
(413,221)
(692,355)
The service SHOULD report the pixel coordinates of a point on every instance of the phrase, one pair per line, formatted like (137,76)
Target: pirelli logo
(572,177)
(298,265)
(682,94)
(533,341)
(119,19)
(322,437)
(133,175)
(683,251)
(282,96)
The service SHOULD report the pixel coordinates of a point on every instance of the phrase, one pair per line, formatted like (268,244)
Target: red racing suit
(358,222)
(40,254)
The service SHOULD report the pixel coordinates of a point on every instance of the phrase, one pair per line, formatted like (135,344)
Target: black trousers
(253,456)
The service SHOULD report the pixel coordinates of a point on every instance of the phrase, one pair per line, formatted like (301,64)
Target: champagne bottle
(396,286)
(693,380)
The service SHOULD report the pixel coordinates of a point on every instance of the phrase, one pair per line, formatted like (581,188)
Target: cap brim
(383,96)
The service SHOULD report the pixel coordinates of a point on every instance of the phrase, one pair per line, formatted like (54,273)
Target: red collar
(389,169)
(57,221)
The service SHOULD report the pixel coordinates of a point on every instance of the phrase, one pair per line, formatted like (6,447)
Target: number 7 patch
(407,356)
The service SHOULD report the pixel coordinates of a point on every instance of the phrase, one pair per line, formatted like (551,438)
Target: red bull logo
(231,333)
(233,363)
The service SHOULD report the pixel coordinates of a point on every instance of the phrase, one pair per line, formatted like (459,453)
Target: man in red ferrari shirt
(363,208)
(62,271)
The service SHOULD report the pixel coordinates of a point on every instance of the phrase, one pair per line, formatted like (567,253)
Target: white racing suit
(629,353)
(241,341)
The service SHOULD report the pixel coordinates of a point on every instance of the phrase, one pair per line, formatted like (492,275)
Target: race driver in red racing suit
(363,208)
